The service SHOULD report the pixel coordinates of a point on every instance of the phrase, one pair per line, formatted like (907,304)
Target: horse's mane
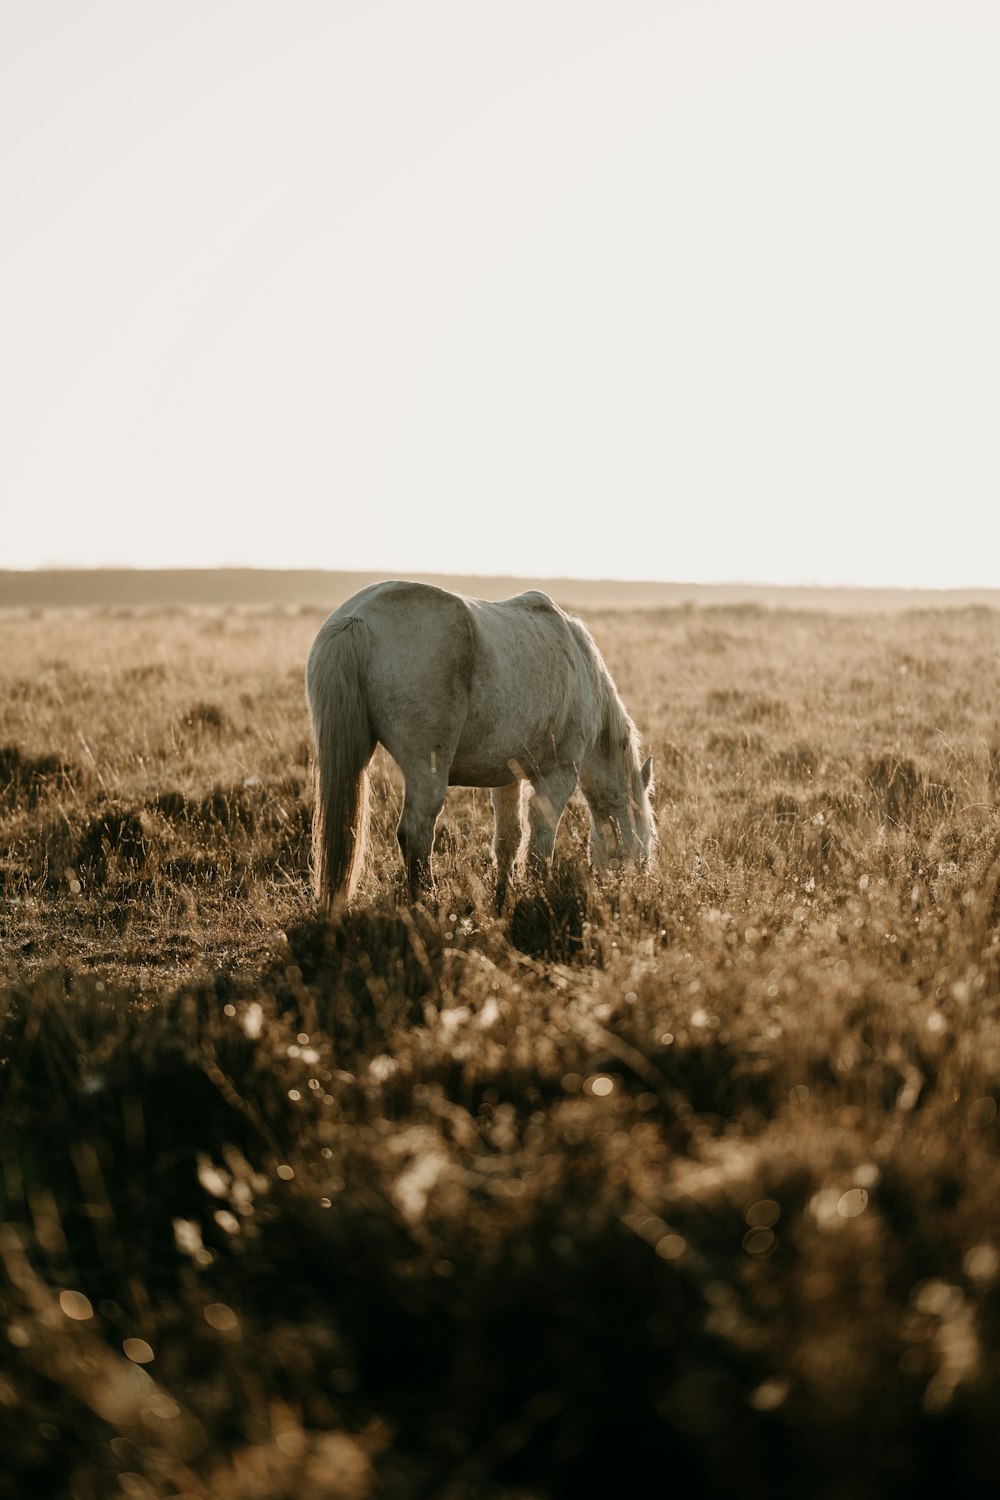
(619,738)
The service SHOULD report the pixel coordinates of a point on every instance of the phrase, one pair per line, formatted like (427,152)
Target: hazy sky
(695,289)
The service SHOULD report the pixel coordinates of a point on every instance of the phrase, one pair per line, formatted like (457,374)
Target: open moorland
(693,1175)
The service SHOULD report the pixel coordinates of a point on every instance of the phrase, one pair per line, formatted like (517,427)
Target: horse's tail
(344,745)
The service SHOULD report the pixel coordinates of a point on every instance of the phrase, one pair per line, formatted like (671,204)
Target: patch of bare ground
(695,1175)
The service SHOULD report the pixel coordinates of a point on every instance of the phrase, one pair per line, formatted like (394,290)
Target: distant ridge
(136,587)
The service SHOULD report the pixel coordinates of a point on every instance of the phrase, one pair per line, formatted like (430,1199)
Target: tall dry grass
(695,1175)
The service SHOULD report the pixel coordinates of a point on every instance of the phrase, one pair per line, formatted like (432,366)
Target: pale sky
(679,289)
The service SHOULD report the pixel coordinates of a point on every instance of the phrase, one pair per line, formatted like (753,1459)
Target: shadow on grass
(549,921)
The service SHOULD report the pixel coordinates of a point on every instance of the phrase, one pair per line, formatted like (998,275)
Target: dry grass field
(694,1176)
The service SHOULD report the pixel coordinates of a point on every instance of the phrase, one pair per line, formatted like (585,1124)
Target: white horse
(463,692)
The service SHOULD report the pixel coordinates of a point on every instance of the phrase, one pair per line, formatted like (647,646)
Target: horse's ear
(647,771)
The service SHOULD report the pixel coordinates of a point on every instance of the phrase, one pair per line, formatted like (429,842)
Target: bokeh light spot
(222,1318)
(138,1351)
(76,1306)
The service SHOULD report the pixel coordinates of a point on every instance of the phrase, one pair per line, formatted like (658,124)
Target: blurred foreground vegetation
(695,1176)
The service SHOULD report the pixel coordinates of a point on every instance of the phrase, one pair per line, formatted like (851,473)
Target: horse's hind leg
(507,832)
(550,795)
(422,802)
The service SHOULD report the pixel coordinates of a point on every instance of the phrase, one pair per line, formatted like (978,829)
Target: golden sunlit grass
(695,1175)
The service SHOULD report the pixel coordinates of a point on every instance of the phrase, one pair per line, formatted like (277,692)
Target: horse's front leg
(549,797)
(422,803)
(507,832)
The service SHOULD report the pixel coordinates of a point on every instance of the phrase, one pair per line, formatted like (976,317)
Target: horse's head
(617,789)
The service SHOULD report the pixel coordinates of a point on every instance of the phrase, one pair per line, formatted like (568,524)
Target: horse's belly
(473,771)
(499,760)
(486,757)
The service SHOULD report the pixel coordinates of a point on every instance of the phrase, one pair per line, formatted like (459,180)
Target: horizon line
(561,578)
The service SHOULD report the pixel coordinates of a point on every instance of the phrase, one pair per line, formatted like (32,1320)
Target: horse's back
(423,621)
(488,684)
(521,636)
